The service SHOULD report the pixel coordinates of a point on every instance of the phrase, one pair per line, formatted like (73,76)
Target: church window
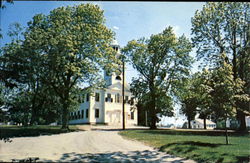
(118,78)
(117,98)
(108,98)
(97,97)
(115,48)
(96,113)
(132,115)
(87,113)
(82,98)
(82,114)
(126,99)
(87,98)
(78,116)
(70,116)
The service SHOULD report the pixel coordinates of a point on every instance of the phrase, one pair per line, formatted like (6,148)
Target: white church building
(104,106)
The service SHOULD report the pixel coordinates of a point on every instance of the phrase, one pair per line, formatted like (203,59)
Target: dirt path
(84,146)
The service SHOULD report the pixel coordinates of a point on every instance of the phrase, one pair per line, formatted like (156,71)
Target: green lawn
(18,131)
(201,146)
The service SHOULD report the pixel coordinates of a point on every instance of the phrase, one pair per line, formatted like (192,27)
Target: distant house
(199,124)
(233,123)
(248,121)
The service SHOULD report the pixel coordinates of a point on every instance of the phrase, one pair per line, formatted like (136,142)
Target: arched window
(118,78)
(117,96)
(115,48)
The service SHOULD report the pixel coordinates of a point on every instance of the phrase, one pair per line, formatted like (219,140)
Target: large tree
(160,60)
(226,91)
(27,93)
(189,96)
(224,28)
(73,45)
(205,99)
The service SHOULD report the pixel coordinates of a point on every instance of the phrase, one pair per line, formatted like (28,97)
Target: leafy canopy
(161,61)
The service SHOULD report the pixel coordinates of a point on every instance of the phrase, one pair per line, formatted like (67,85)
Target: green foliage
(29,96)
(188,94)
(226,90)
(15,31)
(217,90)
(22,131)
(224,28)
(161,61)
(58,53)
(79,48)
(20,109)
(214,27)
(212,92)
(1,95)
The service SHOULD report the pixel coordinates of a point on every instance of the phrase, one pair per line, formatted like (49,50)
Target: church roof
(118,86)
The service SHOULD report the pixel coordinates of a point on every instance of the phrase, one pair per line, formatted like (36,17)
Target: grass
(20,131)
(201,146)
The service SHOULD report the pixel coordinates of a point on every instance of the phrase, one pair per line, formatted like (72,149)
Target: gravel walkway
(85,146)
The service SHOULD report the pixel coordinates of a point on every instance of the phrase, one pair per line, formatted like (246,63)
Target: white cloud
(115,27)
(176,28)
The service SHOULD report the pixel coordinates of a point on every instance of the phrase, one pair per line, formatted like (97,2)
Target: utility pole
(123,98)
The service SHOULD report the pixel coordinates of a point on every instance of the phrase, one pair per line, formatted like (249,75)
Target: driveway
(85,146)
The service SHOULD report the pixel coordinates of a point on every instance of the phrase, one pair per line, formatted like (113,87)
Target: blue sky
(133,19)
(130,20)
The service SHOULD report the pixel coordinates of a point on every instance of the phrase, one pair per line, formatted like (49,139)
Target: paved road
(83,146)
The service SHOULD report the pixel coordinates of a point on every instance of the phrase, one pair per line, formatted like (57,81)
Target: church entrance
(114,117)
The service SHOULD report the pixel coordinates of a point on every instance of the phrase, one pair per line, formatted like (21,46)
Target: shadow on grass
(189,150)
(188,146)
(7,133)
(195,132)
(192,143)
(243,159)
(132,156)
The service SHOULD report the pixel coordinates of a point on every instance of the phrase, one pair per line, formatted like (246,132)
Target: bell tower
(113,77)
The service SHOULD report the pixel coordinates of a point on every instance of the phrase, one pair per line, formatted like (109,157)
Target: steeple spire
(113,77)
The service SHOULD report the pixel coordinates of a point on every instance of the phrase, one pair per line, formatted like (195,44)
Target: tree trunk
(65,116)
(240,114)
(189,123)
(153,116)
(33,111)
(241,120)
(205,123)
(34,103)
(226,133)
(153,124)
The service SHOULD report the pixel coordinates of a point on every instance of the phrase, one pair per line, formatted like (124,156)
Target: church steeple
(112,78)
